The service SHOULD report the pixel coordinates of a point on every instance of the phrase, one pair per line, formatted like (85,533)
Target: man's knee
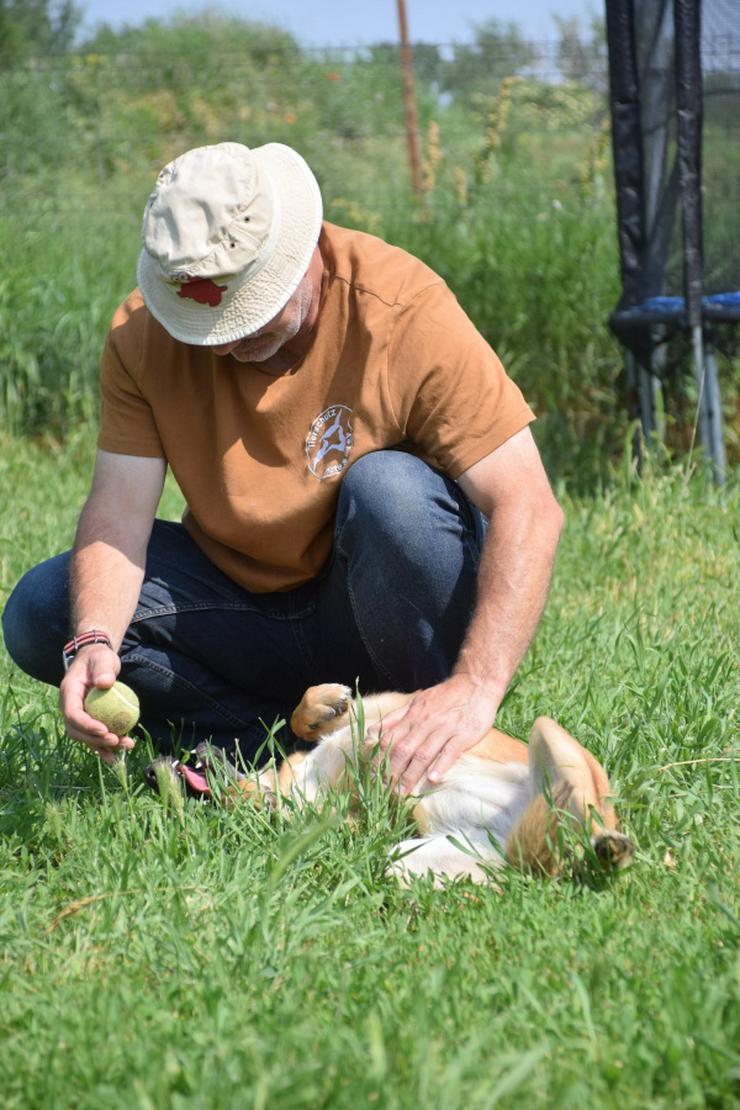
(394,498)
(388,491)
(35,620)
(409,544)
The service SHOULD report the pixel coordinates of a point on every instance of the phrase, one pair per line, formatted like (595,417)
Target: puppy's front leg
(321,711)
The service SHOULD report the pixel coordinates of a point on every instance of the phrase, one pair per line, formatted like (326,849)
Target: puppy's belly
(445,857)
(476,794)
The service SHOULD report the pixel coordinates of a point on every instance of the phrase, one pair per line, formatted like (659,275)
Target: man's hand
(95,665)
(434,728)
(106,574)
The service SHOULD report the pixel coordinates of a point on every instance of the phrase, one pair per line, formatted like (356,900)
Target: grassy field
(159,955)
(167,956)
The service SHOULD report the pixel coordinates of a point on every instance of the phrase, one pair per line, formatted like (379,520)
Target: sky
(344,22)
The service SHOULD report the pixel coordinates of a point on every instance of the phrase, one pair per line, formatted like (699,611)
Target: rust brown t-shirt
(394,362)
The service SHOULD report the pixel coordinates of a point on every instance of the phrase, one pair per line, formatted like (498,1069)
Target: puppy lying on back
(502,801)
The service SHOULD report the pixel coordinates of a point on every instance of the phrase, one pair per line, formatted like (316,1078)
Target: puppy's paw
(321,710)
(613,850)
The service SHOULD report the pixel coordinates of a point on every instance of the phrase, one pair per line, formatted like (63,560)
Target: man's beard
(260,347)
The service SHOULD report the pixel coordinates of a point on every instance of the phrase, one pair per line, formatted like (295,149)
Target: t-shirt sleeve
(127,425)
(452,397)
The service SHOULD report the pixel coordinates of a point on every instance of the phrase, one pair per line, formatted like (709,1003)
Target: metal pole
(714,412)
(709,406)
(689,118)
(407,70)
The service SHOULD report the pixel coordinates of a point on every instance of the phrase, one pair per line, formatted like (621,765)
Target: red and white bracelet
(93,636)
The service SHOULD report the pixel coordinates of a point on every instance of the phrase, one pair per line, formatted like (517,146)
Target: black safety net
(675,100)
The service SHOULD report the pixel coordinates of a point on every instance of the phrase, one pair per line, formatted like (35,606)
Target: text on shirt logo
(329,441)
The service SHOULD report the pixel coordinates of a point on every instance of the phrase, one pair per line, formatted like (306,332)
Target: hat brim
(250,302)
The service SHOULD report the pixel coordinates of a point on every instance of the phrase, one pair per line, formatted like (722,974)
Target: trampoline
(674,81)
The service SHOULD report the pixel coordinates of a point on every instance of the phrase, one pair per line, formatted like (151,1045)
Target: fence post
(412,131)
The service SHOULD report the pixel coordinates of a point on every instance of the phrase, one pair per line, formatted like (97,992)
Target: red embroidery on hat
(203,290)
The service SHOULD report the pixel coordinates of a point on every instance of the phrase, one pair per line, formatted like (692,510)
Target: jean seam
(205,606)
(184,683)
(473,550)
(354,607)
(470,529)
(304,646)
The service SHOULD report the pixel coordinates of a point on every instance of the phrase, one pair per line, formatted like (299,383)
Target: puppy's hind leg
(564,779)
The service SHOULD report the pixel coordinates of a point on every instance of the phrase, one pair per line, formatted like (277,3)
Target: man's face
(267,341)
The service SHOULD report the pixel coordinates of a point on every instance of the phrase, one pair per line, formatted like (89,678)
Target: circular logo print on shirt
(329,441)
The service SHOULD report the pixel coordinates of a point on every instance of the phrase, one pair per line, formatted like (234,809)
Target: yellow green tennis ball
(117,707)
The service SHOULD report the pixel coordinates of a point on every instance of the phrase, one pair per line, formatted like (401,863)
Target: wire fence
(92,118)
(516,211)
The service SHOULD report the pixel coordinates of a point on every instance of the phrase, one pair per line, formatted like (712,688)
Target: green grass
(170,956)
(173,956)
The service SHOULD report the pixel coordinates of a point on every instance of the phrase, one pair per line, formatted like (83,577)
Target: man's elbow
(555,514)
(547,515)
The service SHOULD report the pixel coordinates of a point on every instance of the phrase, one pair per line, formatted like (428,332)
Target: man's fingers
(422,759)
(395,748)
(101,670)
(106,756)
(110,740)
(101,740)
(406,753)
(377,730)
(449,755)
(410,752)
(81,726)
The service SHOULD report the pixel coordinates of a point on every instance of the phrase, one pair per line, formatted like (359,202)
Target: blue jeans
(209,659)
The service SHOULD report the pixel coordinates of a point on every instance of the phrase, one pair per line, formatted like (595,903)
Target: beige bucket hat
(228,234)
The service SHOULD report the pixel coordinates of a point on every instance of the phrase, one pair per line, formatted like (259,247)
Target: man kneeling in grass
(364,496)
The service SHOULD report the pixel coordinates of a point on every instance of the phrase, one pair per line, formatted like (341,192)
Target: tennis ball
(117,707)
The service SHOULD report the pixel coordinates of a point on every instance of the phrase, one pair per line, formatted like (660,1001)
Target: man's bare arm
(511,488)
(106,573)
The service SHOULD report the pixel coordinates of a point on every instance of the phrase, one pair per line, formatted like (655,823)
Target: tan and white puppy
(501,802)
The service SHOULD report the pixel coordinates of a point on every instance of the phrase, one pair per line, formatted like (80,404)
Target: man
(364,497)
